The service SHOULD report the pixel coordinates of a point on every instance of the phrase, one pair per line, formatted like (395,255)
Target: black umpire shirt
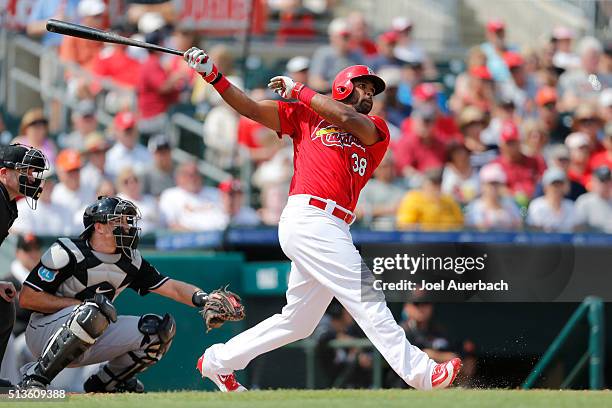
(8,212)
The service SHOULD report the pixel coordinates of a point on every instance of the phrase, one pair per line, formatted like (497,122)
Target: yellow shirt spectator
(429,209)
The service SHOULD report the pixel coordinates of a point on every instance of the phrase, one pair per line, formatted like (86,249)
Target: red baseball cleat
(444,373)
(226,383)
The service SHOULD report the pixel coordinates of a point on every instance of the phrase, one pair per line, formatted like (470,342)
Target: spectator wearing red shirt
(603,158)
(580,152)
(114,63)
(157,89)
(522,172)
(360,38)
(425,95)
(296,22)
(420,148)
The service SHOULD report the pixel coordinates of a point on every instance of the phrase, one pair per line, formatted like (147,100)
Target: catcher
(75,323)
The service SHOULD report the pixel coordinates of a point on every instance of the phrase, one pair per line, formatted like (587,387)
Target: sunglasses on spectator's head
(130,180)
(39,122)
(550,105)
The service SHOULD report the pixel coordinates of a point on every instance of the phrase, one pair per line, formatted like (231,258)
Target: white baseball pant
(325,264)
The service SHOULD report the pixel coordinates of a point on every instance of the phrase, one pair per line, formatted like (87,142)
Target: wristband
(220,83)
(303,94)
(212,75)
(199,298)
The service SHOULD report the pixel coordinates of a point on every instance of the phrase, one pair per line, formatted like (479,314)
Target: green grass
(455,398)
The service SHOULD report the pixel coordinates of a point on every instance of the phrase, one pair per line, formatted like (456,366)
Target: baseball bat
(90,33)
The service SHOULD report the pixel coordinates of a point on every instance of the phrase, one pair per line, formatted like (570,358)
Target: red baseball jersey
(329,162)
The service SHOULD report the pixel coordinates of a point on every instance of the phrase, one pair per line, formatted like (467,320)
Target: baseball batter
(337,147)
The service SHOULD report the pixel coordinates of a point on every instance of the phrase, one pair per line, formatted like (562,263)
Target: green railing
(593,309)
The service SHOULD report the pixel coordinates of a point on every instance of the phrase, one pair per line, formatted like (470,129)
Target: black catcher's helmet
(31,164)
(123,213)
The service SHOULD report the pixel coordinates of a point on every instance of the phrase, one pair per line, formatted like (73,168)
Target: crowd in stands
(522,140)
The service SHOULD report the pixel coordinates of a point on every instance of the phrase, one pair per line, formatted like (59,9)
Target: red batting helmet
(343,83)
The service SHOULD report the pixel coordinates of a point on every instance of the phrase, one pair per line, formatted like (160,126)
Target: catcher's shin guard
(73,338)
(118,375)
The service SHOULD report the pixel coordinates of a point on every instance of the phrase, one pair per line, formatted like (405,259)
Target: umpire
(21,175)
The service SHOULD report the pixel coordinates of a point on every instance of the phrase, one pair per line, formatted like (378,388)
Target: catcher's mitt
(221,306)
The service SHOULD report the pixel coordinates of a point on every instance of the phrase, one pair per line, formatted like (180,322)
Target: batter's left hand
(284,86)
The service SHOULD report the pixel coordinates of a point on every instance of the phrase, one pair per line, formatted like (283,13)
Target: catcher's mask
(122,214)
(30,163)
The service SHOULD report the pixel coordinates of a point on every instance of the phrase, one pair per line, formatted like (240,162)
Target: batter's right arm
(43,302)
(264,112)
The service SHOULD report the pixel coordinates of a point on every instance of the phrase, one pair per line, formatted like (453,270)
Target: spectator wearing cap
(562,39)
(78,50)
(521,86)
(360,36)
(594,208)
(552,212)
(504,110)
(330,59)
(69,192)
(459,179)
(493,210)
(583,84)
(385,57)
(472,123)
(479,92)
(426,96)
(232,199)
(605,105)
(126,150)
(559,156)
(420,148)
(580,152)
(94,152)
(548,114)
(428,208)
(380,198)
(408,46)
(83,123)
(34,131)
(387,105)
(159,176)
(412,74)
(157,88)
(297,68)
(191,207)
(494,48)
(49,218)
(129,187)
(522,172)
(475,58)
(587,121)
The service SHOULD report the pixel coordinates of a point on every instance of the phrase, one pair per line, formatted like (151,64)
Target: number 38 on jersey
(359,164)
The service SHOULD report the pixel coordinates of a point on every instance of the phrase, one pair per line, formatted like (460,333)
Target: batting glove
(201,63)
(285,87)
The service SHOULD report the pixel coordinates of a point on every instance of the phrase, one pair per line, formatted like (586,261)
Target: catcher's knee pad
(69,342)
(157,333)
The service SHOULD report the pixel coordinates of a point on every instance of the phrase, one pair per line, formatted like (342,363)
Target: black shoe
(94,384)
(5,386)
(131,385)
(32,383)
